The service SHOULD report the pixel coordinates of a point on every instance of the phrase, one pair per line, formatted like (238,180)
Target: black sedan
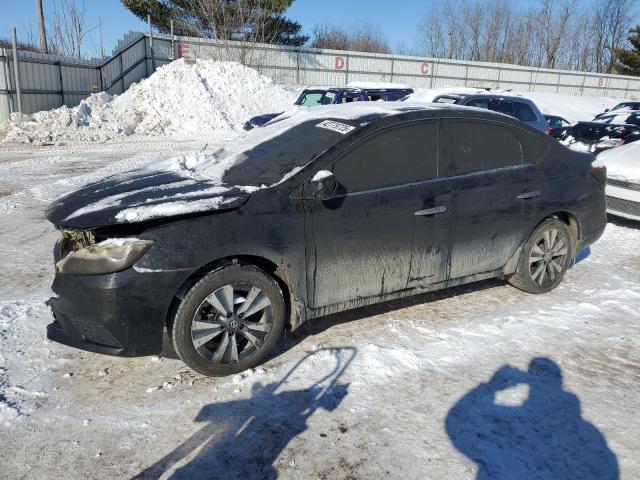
(326,210)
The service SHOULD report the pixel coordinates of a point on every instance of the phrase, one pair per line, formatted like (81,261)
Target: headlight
(110,256)
(610,142)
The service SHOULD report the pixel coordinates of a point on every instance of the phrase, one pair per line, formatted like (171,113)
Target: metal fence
(49,81)
(306,66)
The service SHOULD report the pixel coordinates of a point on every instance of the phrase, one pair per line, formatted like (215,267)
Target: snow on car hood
(623,163)
(198,182)
(140,196)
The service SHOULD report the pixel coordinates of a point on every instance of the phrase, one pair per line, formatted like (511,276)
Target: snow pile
(623,163)
(178,99)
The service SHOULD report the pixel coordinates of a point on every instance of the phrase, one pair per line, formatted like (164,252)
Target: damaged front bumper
(120,313)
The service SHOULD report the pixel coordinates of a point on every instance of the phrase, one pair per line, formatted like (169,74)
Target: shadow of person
(243,438)
(543,438)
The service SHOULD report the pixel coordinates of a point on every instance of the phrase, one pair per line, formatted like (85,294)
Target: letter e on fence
(424,69)
(340,63)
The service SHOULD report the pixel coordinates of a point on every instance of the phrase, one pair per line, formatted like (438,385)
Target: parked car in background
(354,92)
(624,117)
(518,107)
(620,107)
(623,180)
(334,208)
(387,92)
(609,131)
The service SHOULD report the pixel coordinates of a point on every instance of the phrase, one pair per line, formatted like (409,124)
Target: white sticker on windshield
(342,128)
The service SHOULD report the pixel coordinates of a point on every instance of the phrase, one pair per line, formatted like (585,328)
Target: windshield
(446,100)
(269,155)
(315,98)
(626,105)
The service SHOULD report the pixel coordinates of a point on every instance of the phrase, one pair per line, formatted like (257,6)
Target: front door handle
(430,211)
(528,195)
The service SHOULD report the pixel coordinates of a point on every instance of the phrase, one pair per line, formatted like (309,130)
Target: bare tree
(67,27)
(612,21)
(368,38)
(360,38)
(330,37)
(570,34)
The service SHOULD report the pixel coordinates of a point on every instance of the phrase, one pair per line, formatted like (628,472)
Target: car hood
(623,163)
(142,196)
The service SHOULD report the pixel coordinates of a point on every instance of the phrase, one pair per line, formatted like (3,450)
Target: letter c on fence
(339,63)
(424,69)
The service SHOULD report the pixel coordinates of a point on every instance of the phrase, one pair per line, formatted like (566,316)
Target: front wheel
(545,258)
(229,321)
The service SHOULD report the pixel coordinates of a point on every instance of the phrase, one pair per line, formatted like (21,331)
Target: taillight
(599,173)
(547,130)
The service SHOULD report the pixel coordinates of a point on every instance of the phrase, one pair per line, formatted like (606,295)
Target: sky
(397,25)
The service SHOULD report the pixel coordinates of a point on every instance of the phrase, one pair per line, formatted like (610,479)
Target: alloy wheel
(548,256)
(232,323)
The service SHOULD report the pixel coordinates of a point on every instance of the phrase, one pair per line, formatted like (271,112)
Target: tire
(229,321)
(545,258)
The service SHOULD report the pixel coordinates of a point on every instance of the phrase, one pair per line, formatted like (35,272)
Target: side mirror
(323,185)
(606,110)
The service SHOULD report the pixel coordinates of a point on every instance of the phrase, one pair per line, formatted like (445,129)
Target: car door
(494,193)
(360,242)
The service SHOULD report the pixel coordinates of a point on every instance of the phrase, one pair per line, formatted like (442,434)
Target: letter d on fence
(340,63)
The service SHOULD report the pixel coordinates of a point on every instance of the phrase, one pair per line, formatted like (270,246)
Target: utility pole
(41,29)
(153,56)
(16,68)
(101,48)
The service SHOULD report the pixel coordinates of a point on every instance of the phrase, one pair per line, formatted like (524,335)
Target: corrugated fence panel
(162,48)
(413,67)
(357,64)
(135,75)
(450,71)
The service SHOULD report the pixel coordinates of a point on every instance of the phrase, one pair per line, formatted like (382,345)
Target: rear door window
(534,148)
(524,112)
(503,106)
(473,146)
(394,96)
(479,103)
(392,157)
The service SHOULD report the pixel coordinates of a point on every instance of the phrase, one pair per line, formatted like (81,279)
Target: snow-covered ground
(364,394)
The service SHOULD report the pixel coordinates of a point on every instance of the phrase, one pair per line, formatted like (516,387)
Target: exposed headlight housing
(109,256)
(607,142)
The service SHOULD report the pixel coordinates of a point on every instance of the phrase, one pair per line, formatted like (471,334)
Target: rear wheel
(545,258)
(229,321)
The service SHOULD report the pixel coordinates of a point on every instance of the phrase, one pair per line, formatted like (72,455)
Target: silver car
(518,107)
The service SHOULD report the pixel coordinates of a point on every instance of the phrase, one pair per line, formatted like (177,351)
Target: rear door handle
(528,195)
(430,211)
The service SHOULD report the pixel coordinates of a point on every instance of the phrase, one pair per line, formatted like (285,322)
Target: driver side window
(392,157)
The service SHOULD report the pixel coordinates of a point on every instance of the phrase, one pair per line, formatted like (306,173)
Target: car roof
(360,114)
(379,86)
(498,96)
(324,88)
